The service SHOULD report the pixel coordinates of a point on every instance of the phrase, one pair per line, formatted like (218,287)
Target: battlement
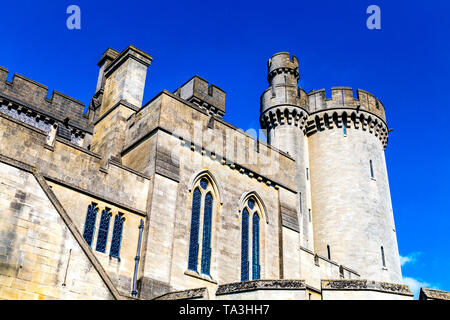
(33,95)
(282,62)
(343,97)
(206,95)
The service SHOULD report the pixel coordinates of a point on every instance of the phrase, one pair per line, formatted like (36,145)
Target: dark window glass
(89,225)
(195,224)
(244,246)
(103,229)
(371,169)
(204,184)
(206,245)
(256,270)
(251,204)
(116,237)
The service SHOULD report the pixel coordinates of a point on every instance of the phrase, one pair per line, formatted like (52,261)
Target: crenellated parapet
(26,100)
(282,64)
(33,95)
(203,94)
(342,97)
(283,103)
(364,112)
(283,95)
(286,115)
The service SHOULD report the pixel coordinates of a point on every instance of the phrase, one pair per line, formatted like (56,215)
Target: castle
(169,201)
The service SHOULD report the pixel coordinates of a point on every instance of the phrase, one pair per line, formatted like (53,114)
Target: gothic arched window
(251,250)
(244,244)
(117,236)
(103,229)
(89,225)
(195,226)
(207,220)
(201,219)
(255,259)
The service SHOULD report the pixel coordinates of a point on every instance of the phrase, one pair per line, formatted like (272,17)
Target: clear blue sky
(406,64)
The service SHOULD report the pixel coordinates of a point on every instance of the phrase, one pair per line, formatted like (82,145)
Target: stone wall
(31,94)
(121,270)
(352,212)
(39,258)
(315,267)
(72,165)
(231,186)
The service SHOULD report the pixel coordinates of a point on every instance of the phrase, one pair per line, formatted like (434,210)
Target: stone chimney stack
(104,62)
(125,79)
(120,90)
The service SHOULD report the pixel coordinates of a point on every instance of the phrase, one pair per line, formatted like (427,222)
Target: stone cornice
(434,294)
(184,295)
(284,114)
(333,118)
(366,285)
(121,103)
(129,52)
(247,286)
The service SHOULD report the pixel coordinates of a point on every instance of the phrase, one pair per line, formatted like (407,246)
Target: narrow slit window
(309,215)
(103,229)
(383,260)
(344,124)
(117,236)
(300,203)
(307,173)
(328,252)
(89,225)
(371,169)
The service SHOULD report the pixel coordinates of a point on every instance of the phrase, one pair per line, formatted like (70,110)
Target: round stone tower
(352,212)
(345,211)
(284,111)
(283,106)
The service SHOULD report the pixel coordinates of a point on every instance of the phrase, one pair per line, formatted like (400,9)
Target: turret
(283,105)
(351,206)
(344,204)
(284,111)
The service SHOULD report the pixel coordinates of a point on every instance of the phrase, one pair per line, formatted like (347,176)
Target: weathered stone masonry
(323,213)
